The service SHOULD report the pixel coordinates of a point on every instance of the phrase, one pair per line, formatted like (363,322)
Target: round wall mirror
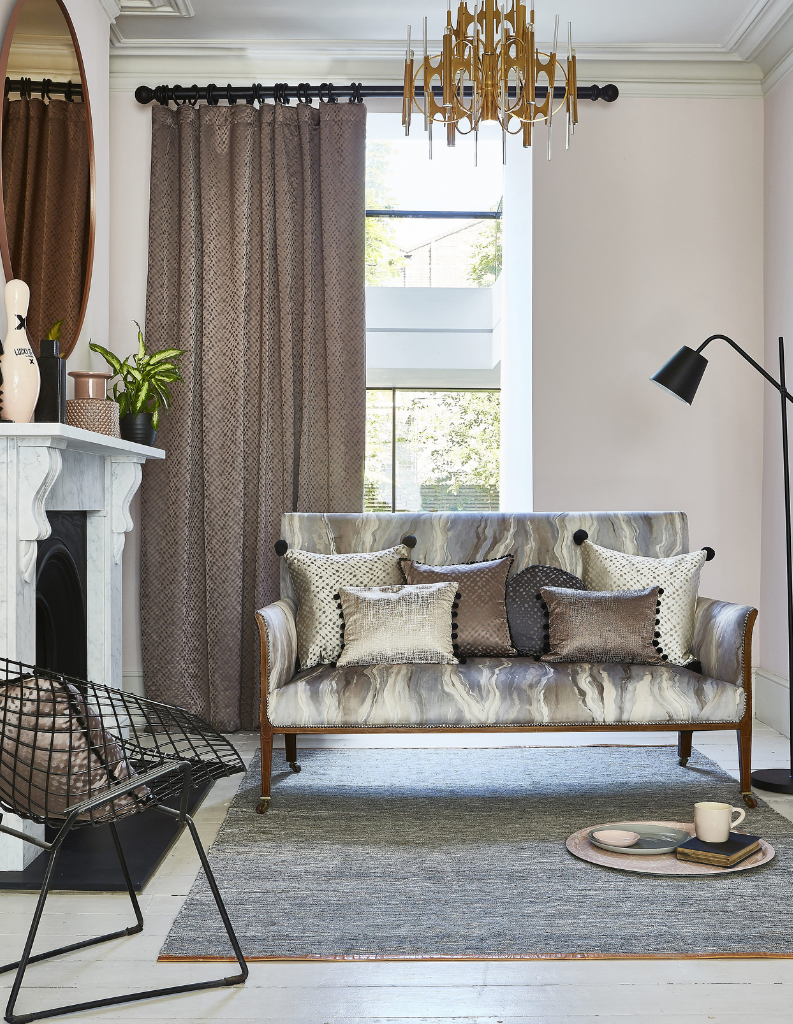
(47,167)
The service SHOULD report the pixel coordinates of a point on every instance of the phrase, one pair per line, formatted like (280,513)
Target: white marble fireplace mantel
(54,467)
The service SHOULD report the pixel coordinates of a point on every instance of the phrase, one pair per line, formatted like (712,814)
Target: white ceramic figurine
(20,381)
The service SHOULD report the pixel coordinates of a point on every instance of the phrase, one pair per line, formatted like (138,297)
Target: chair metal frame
(174,776)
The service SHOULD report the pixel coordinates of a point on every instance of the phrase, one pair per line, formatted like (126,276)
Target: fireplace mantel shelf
(60,435)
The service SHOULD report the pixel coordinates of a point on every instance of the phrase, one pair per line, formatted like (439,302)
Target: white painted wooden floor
(630,992)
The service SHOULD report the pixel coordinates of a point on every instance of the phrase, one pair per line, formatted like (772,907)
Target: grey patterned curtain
(256,268)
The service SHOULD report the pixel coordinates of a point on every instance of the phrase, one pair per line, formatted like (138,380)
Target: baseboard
(132,682)
(772,700)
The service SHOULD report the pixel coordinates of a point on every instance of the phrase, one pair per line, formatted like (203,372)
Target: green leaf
(166,353)
(113,361)
(140,398)
(155,419)
(135,374)
(141,345)
(54,333)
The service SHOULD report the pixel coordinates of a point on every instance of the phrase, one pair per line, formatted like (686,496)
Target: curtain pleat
(256,269)
(46,197)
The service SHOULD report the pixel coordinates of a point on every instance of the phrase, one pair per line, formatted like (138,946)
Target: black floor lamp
(681,377)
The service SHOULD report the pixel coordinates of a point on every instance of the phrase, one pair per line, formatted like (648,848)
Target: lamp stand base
(775,780)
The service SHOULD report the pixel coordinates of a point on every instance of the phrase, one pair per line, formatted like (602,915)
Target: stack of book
(722,855)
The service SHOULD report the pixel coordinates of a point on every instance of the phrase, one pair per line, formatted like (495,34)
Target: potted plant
(142,387)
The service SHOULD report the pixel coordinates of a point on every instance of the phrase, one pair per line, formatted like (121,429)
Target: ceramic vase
(19,386)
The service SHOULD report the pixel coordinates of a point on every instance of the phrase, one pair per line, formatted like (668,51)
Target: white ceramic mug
(713,822)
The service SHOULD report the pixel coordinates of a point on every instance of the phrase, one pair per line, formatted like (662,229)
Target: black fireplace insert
(61,568)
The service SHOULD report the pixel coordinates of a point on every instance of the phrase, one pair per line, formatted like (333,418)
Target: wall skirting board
(132,682)
(772,700)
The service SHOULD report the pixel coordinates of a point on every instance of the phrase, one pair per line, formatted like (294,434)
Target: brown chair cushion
(592,625)
(482,627)
(55,753)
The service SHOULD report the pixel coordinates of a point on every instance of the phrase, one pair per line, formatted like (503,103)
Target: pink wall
(778,321)
(648,235)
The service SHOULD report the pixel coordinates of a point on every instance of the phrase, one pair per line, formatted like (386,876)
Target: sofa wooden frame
(684,732)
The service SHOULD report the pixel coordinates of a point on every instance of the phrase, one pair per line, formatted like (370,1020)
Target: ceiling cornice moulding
(757,27)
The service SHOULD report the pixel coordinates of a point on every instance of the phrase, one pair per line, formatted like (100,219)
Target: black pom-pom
(655,643)
(463,661)
(455,604)
(710,554)
(657,635)
(538,597)
(660,590)
(281,547)
(658,622)
(580,536)
(409,541)
(458,595)
(454,636)
(695,666)
(546,648)
(664,657)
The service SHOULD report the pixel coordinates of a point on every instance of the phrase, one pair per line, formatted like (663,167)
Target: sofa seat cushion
(501,692)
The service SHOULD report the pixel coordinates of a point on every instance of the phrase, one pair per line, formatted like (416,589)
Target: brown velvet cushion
(55,753)
(593,625)
(482,628)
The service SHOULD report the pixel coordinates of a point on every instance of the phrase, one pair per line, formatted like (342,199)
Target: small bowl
(616,837)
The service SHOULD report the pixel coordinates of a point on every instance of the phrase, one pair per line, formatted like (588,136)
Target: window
(431,450)
(432,223)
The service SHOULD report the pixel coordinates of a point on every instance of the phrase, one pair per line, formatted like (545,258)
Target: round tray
(663,864)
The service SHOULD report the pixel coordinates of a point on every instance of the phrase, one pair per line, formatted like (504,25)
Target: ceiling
(693,31)
(609,21)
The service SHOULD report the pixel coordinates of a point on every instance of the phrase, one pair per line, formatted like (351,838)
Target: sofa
(503,694)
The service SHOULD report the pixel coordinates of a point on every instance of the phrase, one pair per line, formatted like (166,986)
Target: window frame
(393,391)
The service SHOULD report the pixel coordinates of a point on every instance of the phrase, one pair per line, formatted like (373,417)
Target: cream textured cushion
(605,569)
(398,625)
(317,578)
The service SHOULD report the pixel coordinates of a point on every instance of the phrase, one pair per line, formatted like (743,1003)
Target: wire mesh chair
(73,753)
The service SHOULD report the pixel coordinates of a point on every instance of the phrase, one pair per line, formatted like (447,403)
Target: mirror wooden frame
(4,249)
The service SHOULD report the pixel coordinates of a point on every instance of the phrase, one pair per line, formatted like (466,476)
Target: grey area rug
(461,853)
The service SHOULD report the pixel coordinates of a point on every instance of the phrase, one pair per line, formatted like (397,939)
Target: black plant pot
(137,427)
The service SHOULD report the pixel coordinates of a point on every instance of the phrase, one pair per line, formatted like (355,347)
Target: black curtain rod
(45,88)
(355,92)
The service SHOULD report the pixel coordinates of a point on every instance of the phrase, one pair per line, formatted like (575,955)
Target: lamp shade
(682,374)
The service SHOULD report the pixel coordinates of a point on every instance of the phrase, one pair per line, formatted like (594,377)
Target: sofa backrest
(452,538)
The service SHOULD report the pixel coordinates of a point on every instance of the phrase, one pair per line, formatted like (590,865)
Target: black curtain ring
(303,94)
(212,99)
(331,97)
(192,100)
(173,91)
(45,88)
(320,90)
(355,95)
(231,100)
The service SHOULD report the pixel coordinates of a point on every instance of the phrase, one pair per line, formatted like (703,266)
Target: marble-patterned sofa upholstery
(503,693)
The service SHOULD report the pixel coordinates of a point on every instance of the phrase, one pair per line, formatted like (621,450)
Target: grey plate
(653,839)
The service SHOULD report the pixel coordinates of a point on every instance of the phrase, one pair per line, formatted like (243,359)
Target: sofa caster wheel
(263,804)
(749,799)
(682,761)
(294,766)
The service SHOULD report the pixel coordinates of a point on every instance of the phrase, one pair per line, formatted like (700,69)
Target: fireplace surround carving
(52,467)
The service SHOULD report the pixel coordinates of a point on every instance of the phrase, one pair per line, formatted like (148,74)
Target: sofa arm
(723,640)
(278,633)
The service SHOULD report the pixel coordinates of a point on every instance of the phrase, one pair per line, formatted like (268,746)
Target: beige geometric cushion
(317,578)
(398,625)
(605,569)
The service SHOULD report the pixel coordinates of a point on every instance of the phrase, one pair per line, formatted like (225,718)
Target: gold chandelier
(490,70)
